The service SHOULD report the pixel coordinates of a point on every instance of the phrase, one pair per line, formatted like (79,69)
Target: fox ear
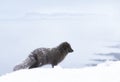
(65,45)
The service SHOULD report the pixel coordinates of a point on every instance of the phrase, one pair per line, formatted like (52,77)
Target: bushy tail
(28,62)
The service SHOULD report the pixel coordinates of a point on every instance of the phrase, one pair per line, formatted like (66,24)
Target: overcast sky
(18,8)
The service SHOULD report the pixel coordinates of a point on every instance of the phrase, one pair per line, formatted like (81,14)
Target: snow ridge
(106,72)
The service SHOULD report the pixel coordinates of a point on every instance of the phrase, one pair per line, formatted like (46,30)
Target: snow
(106,72)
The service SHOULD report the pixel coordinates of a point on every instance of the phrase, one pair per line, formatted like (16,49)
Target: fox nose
(71,50)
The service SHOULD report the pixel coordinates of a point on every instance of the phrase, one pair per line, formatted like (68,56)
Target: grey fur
(30,60)
(42,56)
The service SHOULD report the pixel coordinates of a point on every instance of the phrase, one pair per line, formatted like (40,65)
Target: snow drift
(106,72)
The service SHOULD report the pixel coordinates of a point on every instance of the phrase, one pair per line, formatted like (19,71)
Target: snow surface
(106,72)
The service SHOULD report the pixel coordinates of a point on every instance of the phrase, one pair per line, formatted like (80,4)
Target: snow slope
(106,72)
